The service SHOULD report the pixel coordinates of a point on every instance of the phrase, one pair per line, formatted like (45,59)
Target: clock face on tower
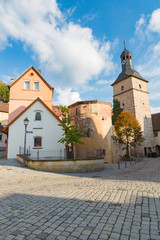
(123,62)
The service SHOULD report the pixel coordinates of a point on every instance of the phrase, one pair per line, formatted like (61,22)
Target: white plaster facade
(3,138)
(49,131)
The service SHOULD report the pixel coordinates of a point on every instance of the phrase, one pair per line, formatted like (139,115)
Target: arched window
(90,132)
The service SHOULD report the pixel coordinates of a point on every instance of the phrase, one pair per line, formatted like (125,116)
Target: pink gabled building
(25,89)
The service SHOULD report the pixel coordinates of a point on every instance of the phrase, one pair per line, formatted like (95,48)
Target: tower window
(130,57)
(156,134)
(104,152)
(123,104)
(123,58)
(90,133)
(127,56)
(140,86)
(122,88)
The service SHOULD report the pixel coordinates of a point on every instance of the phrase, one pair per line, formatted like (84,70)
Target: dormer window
(27,85)
(36,86)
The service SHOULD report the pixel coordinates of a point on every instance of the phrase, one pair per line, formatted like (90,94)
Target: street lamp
(136,135)
(26,121)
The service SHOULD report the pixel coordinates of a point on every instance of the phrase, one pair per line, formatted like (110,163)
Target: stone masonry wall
(94,119)
(134,97)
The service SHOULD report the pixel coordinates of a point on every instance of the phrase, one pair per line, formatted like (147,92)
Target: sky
(77,44)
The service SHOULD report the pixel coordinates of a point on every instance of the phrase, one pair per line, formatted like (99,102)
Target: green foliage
(128,130)
(63,109)
(116,110)
(4,92)
(71,133)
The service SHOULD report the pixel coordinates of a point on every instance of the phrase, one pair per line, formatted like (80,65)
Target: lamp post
(117,144)
(136,135)
(26,121)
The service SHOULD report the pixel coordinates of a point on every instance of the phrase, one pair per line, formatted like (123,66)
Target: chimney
(39,70)
(12,80)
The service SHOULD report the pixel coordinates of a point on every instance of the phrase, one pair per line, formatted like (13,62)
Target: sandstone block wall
(94,119)
(134,97)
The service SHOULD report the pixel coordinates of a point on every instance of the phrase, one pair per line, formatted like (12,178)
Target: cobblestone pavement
(114,204)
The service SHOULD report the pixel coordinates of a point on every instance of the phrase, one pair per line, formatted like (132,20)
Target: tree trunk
(127,149)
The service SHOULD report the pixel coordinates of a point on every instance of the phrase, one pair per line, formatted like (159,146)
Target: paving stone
(118,204)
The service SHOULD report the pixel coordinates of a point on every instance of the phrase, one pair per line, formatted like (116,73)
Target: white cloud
(66,96)
(104,82)
(155,96)
(155,110)
(5,78)
(89,17)
(154,23)
(139,24)
(147,51)
(70,52)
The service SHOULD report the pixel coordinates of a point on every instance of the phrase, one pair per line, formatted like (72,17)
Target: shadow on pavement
(50,217)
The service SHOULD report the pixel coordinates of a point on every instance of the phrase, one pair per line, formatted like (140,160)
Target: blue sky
(77,44)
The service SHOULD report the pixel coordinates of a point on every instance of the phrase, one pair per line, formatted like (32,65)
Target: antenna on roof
(124,45)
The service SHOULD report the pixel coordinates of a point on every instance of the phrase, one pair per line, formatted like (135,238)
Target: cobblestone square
(113,204)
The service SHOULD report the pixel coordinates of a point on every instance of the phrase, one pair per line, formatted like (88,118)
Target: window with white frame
(36,86)
(38,142)
(27,85)
(38,116)
(38,119)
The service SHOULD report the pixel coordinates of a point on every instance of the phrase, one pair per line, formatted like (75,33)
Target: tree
(4,92)
(71,135)
(116,110)
(63,109)
(128,130)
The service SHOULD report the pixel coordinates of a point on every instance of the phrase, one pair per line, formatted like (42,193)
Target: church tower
(130,89)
